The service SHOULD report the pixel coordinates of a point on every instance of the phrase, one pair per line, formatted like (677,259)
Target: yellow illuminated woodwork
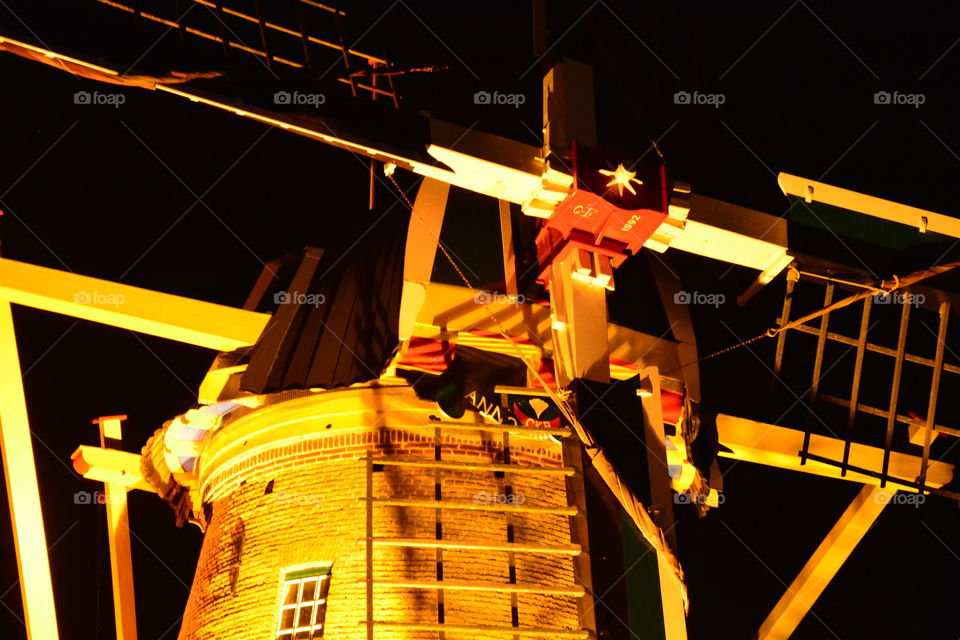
(53,55)
(121,562)
(23,493)
(110,466)
(779,447)
(160,314)
(825,562)
(671,594)
(921,219)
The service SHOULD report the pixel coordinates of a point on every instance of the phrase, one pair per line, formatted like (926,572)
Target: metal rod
(895,389)
(855,384)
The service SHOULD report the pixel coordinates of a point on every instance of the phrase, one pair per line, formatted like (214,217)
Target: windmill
(550,364)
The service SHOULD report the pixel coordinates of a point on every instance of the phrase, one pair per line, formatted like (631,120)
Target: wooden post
(20,472)
(118,530)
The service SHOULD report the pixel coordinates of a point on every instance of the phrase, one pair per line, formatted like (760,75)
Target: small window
(304,605)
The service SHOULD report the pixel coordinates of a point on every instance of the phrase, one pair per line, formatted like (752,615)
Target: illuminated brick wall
(314,513)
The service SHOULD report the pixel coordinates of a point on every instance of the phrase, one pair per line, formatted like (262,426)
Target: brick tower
(348,513)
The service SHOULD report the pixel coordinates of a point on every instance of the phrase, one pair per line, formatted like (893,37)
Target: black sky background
(113,193)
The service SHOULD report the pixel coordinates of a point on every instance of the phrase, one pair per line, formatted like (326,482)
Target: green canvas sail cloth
(855,225)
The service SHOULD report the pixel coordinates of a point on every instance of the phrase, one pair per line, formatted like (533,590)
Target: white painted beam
(920,219)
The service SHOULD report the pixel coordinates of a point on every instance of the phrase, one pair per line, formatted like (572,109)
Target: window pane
(291,594)
(309,590)
(304,605)
(306,616)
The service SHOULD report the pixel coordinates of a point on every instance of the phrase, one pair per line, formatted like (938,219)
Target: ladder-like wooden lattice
(505,471)
(290,34)
(892,413)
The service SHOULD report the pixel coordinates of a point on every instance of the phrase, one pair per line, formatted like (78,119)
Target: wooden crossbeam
(196,322)
(110,466)
(778,446)
(824,563)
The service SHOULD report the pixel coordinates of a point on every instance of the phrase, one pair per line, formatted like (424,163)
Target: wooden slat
(782,336)
(855,384)
(487,629)
(934,390)
(883,413)
(369,554)
(475,466)
(876,348)
(817,366)
(895,390)
(493,428)
(476,585)
(473,506)
(580,535)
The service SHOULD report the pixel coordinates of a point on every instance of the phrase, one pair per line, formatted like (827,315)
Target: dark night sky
(168,195)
